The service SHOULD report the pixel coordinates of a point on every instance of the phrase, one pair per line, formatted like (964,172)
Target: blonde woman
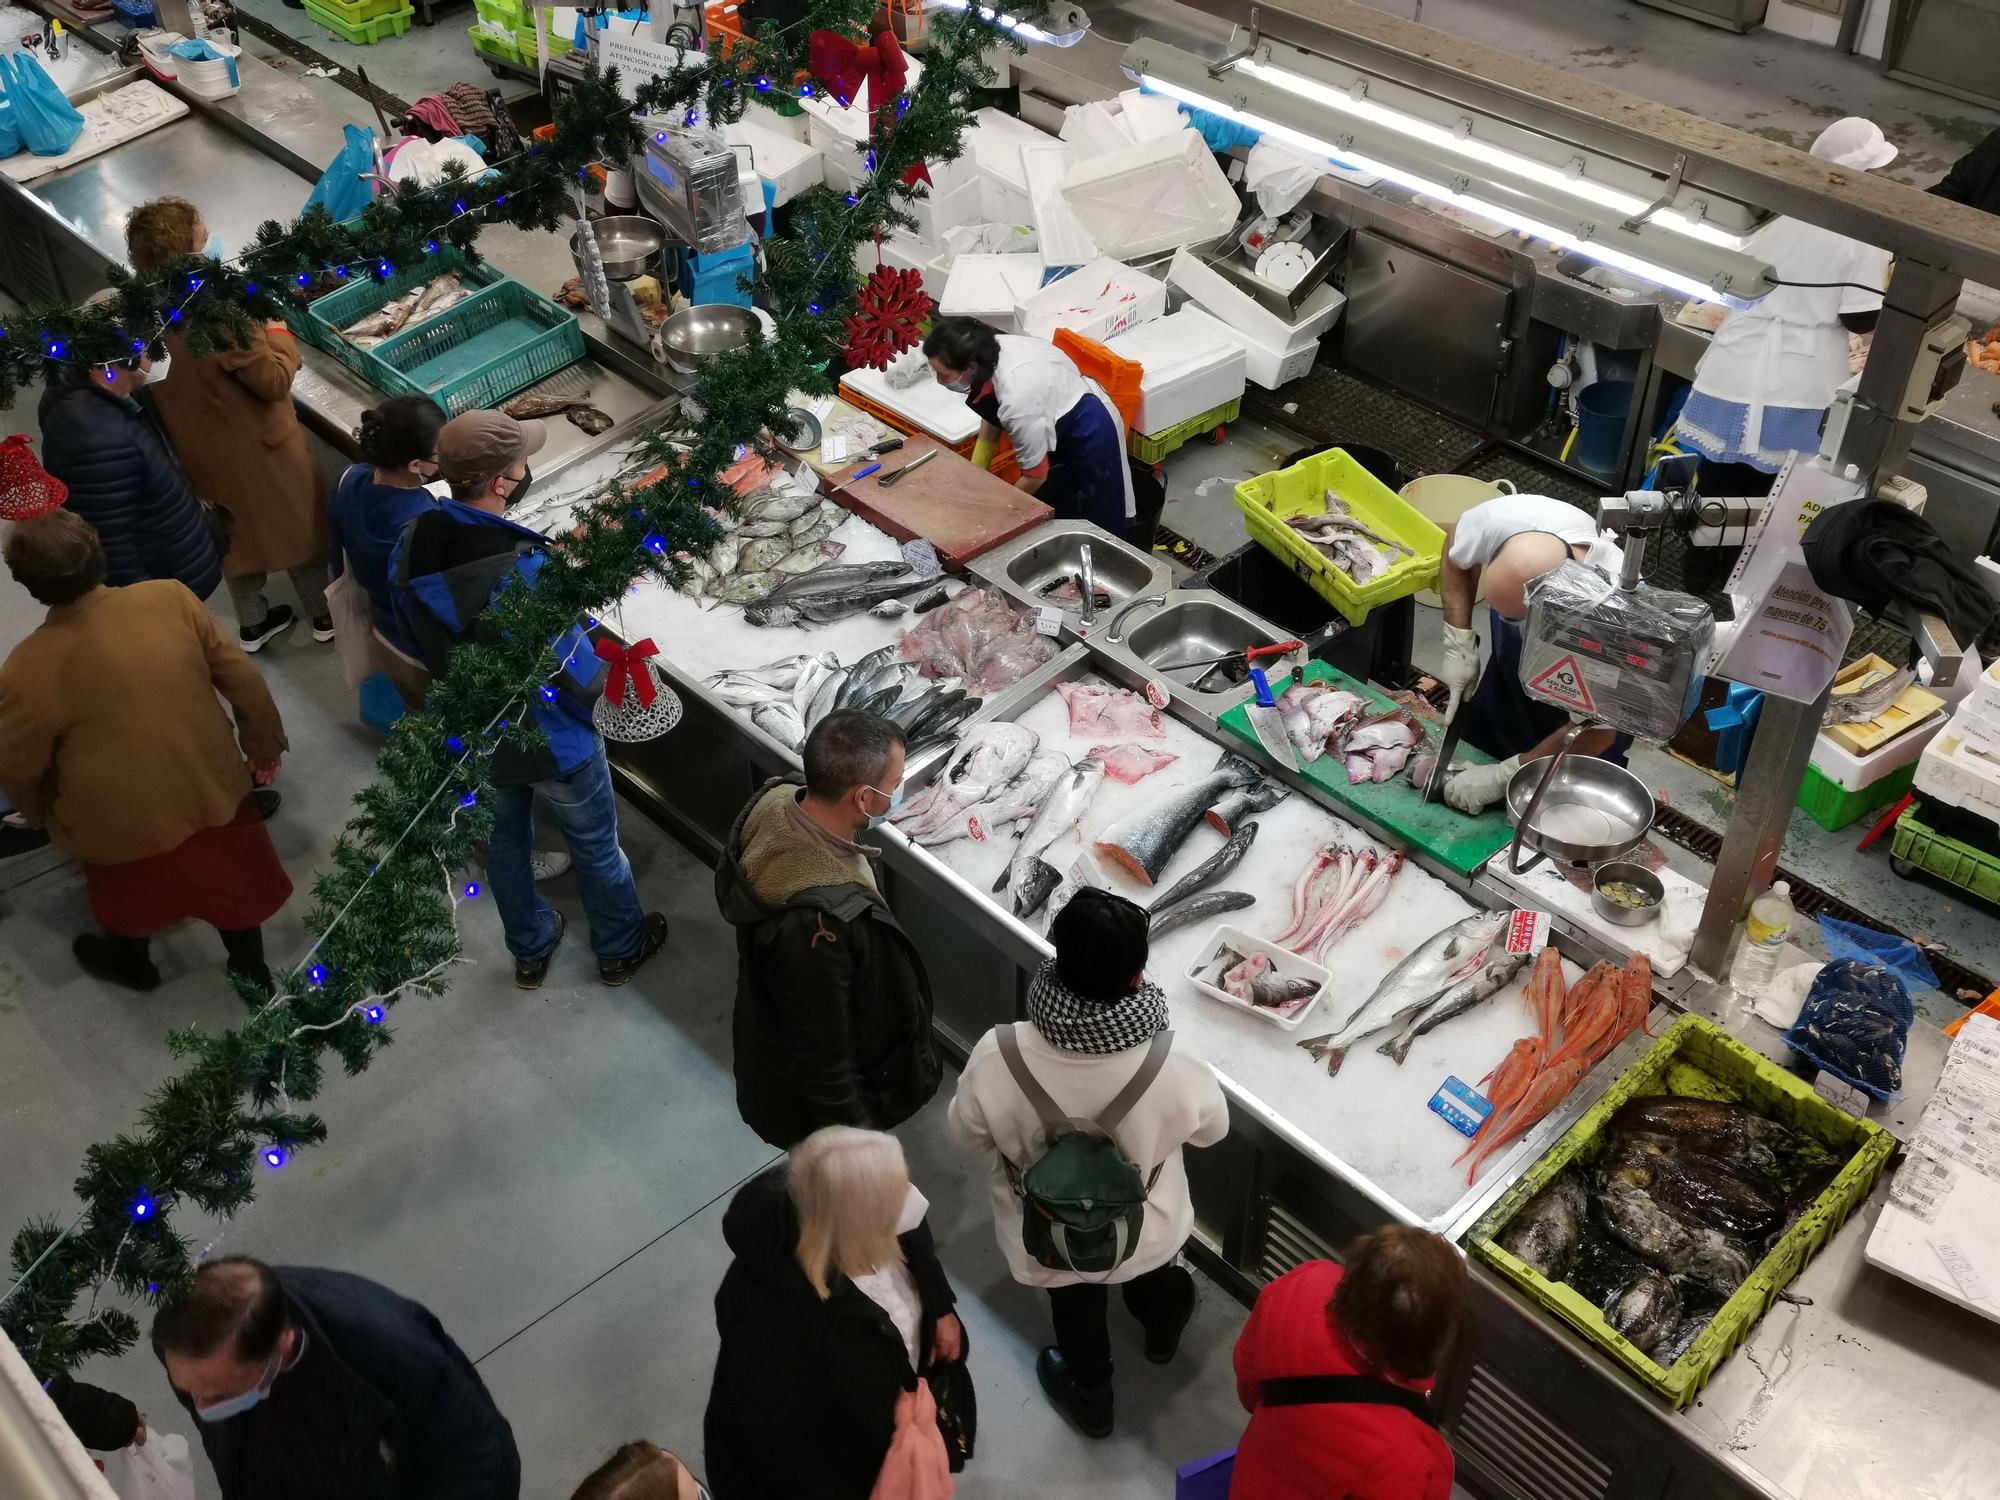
(833,1307)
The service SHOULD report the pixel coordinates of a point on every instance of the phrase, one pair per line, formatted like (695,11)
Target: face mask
(212,246)
(876,820)
(520,489)
(963,387)
(159,369)
(235,1406)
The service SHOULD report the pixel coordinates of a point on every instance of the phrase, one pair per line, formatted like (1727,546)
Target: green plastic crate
(1696,1057)
(354,12)
(1833,806)
(505,49)
(492,345)
(1268,499)
(364,295)
(361,33)
(1916,844)
(1151,447)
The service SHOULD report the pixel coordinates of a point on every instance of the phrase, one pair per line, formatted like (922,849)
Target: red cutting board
(953,504)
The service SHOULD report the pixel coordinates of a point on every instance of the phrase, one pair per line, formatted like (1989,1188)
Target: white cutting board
(109,120)
(1665,940)
(1375,1116)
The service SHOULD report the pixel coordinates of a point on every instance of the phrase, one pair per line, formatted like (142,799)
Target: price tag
(1919,1185)
(1048,621)
(819,406)
(1461,1106)
(1157,693)
(833,448)
(1963,1271)
(976,828)
(1527,931)
(1841,1095)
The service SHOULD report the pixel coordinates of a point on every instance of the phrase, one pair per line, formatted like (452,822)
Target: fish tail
(1006,873)
(1398,1047)
(1335,1056)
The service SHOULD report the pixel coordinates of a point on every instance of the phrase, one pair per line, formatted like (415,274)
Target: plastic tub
(492,345)
(1601,409)
(1123,379)
(1098,301)
(362,33)
(1917,846)
(1283,961)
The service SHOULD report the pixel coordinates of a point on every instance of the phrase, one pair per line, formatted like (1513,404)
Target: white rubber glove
(1473,789)
(1460,672)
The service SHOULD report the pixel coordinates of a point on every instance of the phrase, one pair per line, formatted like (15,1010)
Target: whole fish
(1580,992)
(1495,975)
(781,723)
(746,692)
(1197,908)
(725,555)
(774,504)
(1545,1091)
(987,758)
(1415,984)
(1699,1255)
(1595,1021)
(1217,865)
(939,727)
(763,554)
(838,576)
(879,702)
(815,671)
(1016,800)
(1147,841)
(824,696)
(1645,1310)
(1695,1187)
(1507,1083)
(590,419)
(1060,811)
(1544,1235)
(939,710)
(912,707)
(812,520)
(1246,802)
(1544,993)
(827,605)
(804,559)
(744,587)
(1369,894)
(750,530)
(1306,889)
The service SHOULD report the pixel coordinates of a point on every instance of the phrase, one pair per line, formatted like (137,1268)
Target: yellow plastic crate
(1269,499)
(1696,1057)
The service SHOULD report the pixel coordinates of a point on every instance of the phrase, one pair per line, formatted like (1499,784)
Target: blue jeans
(586,809)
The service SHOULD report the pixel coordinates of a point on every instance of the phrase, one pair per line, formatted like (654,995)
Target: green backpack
(1083,1200)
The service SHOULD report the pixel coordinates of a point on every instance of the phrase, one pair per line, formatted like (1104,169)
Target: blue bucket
(1601,409)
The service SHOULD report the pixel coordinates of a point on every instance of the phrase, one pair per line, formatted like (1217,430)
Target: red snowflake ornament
(889,313)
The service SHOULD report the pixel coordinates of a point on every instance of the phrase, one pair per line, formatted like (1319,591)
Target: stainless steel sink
(1191,625)
(1032,566)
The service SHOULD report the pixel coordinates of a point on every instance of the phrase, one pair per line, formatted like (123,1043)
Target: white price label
(1048,621)
(819,406)
(1963,1271)
(1919,1185)
(833,448)
(1157,693)
(1840,1094)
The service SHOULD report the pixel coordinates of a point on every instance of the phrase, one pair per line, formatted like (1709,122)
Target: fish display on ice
(1068,800)
(1014,802)
(782,723)
(1146,841)
(1544,995)
(824,605)
(1244,803)
(1212,869)
(1344,892)
(1131,764)
(1188,910)
(1097,710)
(989,756)
(1254,980)
(1422,979)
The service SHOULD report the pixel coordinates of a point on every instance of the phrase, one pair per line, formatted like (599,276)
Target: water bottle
(1764,935)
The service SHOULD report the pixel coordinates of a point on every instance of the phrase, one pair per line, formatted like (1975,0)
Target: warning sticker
(1563,683)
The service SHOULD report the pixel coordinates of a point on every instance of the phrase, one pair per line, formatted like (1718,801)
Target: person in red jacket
(1381,1326)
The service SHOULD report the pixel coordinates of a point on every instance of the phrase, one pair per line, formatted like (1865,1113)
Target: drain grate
(1334,407)
(1171,544)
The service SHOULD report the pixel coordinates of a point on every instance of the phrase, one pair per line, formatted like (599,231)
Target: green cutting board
(1460,842)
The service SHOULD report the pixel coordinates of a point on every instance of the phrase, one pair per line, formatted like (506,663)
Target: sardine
(1417,983)
(1217,865)
(1147,841)
(1060,811)
(1545,1234)
(1645,1310)
(1246,802)
(1197,908)
(1495,975)
(781,723)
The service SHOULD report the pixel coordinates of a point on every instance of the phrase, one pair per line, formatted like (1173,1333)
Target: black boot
(121,961)
(1163,1340)
(1087,1406)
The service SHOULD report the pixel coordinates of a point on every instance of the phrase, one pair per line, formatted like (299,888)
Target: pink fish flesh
(1131,764)
(1377,750)
(1100,711)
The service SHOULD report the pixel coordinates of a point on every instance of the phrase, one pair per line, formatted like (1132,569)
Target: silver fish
(1217,865)
(889,609)
(750,530)
(781,723)
(776,505)
(744,588)
(989,757)
(724,556)
(1246,802)
(938,727)
(1198,908)
(1145,842)
(840,576)
(825,696)
(762,555)
(814,520)
(1276,991)
(1085,871)
(1415,984)
(812,555)
(1068,800)
(1495,975)
(746,692)
(824,606)
(1007,804)
(1546,1233)
(811,675)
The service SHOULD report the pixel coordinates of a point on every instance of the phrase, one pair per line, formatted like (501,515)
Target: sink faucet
(1086,584)
(1114,632)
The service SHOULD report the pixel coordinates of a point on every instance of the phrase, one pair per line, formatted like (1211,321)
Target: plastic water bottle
(1770,924)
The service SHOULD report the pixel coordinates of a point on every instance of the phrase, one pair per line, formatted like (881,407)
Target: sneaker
(323,628)
(530,972)
(101,958)
(548,864)
(618,970)
(1163,1342)
(1088,1407)
(276,621)
(268,799)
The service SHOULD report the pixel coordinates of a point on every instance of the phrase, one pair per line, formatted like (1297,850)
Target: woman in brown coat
(231,418)
(111,737)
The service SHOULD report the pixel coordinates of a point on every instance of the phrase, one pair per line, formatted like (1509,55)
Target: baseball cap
(1856,143)
(475,445)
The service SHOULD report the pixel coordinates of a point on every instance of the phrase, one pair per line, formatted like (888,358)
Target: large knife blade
(1267,723)
(1454,729)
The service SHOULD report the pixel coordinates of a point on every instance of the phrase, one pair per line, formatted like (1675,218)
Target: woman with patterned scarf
(1092,1017)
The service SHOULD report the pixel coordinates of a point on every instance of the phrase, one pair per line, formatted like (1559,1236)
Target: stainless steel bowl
(1641,879)
(629,245)
(1592,810)
(695,335)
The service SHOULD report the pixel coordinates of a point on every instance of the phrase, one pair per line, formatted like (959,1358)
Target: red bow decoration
(628,665)
(847,65)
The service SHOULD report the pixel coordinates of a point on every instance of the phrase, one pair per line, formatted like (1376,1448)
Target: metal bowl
(695,335)
(629,245)
(1640,879)
(1592,810)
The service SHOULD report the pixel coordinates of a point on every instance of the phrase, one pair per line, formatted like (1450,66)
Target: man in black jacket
(833,1008)
(1974,179)
(311,1384)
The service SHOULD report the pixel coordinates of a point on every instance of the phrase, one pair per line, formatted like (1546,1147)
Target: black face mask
(520,489)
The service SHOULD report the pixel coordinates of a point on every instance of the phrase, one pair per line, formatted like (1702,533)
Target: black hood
(761,1228)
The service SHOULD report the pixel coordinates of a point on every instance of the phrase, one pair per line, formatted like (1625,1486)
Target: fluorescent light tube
(1069,16)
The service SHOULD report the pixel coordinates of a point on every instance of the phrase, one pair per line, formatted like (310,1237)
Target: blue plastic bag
(1854,1024)
(48,123)
(10,133)
(344,188)
(1897,954)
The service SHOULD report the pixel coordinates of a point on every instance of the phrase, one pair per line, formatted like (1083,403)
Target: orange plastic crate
(1119,376)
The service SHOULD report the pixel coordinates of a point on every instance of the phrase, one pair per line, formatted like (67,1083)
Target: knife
(916,463)
(1453,729)
(1268,723)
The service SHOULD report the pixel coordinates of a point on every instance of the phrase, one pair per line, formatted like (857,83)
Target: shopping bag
(353,626)
(1205,1478)
(48,123)
(160,1470)
(343,189)
(10,133)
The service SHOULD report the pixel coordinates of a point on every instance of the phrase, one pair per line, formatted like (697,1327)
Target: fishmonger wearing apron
(1513,540)
(1068,437)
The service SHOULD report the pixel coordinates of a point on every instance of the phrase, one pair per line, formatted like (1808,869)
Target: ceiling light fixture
(1066,23)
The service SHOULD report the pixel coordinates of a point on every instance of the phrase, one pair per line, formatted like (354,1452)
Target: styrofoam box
(844,164)
(1063,239)
(1853,772)
(1244,313)
(1152,196)
(760,114)
(992,144)
(1098,300)
(991,288)
(925,405)
(937,209)
(1263,364)
(1951,772)
(904,253)
(1189,367)
(1985,694)
(790,166)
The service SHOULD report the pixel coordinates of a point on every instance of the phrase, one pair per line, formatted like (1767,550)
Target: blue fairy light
(549,693)
(144,1205)
(372,1015)
(455,745)
(56,349)
(458,207)
(317,973)
(275,1156)
(251,288)
(138,346)
(430,247)
(302,279)
(385,270)
(655,542)
(471,889)
(812,307)
(763,85)
(468,799)
(174,316)
(694,117)
(340,272)
(501,201)
(805,91)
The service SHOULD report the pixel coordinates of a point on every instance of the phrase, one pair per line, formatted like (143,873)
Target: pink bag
(917,1467)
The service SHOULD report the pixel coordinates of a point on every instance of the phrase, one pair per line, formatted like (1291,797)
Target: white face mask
(876,820)
(158,370)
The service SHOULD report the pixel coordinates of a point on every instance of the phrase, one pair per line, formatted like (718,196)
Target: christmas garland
(383,914)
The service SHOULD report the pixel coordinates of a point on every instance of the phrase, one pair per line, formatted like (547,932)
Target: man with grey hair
(833,1008)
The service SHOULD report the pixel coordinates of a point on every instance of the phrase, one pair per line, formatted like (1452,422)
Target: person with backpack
(1086,1107)
(1336,1367)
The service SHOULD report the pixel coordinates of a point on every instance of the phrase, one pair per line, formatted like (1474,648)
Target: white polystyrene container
(790,166)
(926,406)
(1951,771)
(991,288)
(938,209)
(1098,301)
(1853,772)
(1243,312)
(1152,196)
(1263,364)
(1283,961)
(1189,367)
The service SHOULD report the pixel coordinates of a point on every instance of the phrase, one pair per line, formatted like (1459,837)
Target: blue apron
(1502,719)
(1086,479)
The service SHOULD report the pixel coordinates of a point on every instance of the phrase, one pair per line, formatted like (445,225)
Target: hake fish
(1494,975)
(1173,916)
(1420,981)
(1217,865)
(1147,841)
(823,606)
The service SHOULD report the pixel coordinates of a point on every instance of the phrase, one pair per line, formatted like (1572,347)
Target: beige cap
(476,445)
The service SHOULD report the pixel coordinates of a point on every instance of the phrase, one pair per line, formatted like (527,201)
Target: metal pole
(1766,791)
(1876,440)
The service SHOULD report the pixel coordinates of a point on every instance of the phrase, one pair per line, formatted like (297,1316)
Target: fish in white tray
(1238,980)
(1273,991)
(988,757)
(1418,982)
(1068,800)
(1147,841)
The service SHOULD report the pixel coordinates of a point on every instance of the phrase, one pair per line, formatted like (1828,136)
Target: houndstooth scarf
(1076,1024)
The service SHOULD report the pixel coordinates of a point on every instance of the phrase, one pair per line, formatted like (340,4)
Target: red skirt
(229,877)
